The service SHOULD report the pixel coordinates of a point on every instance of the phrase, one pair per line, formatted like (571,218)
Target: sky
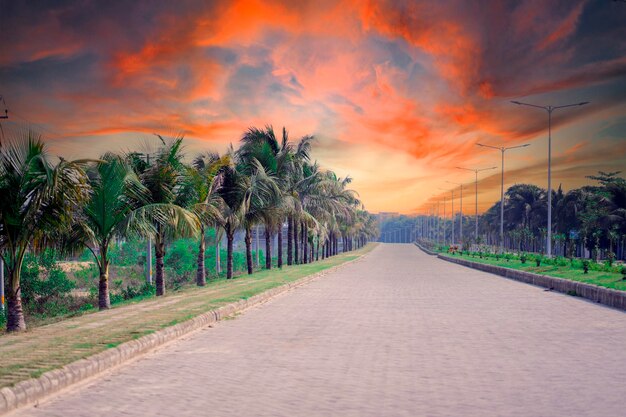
(397,93)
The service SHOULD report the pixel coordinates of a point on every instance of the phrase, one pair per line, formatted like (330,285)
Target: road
(397,333)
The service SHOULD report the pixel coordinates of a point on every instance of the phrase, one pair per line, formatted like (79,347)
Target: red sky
(397,93)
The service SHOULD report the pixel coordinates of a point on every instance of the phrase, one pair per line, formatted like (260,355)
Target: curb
(32,390)
(601,295)
(425,250)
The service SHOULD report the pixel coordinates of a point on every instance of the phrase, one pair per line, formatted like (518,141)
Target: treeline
(589,221)
(268,181)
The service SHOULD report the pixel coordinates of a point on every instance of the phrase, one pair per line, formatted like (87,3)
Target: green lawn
(31,353)
(603,279)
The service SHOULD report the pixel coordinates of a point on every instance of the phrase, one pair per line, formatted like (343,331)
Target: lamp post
(444,217)
(1,284)
(461,210)
(502,149)
(476,171)
(451,216)
(549,109)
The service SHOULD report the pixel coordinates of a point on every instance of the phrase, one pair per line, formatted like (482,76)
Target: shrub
(44,284)
(538,260)
(523,258)
(623,271)
(586,266)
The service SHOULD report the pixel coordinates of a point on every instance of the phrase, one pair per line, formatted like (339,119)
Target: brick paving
(397,333)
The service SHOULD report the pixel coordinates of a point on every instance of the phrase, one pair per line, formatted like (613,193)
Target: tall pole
(2,284)
(444,220)
(257,245)
(475,171)
(476,206)
(502,149)
(461,224)
(550,109)
(149,262)
(502,206)
(453,216)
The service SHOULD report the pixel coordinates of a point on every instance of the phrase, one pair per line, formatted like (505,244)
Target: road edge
(31,391)
(606,296)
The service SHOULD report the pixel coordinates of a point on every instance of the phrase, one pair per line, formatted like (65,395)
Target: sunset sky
(396,93)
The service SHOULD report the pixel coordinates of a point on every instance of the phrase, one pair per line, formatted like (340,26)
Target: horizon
(397,94)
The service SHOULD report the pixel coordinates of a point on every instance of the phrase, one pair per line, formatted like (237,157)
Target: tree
(39,200)
(112,210)
(206,179)
(169,183)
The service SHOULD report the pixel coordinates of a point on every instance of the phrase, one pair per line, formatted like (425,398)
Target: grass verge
(600,278)
(52,346)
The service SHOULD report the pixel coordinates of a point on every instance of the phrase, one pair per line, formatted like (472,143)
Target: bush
(623,272)
(586,266)
(44,285)
(538,260)
(523,258)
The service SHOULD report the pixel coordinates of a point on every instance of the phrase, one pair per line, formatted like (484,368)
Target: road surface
(397,333)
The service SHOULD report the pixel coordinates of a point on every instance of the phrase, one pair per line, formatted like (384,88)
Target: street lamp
(502,149)
(476,171)
(550,109)
(461,209)
(444,216)
(451,215)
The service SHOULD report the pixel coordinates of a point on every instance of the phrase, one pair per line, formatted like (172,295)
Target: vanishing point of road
(397,333)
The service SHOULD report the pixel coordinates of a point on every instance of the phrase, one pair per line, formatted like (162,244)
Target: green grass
(57,344)
(604,279)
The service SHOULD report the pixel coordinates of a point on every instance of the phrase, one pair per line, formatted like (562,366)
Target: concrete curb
(606,296)
(32,390)
(425,250)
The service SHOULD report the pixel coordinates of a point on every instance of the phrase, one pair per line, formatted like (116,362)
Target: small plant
(623,271)
(523,258)
(538,260)
(610,258)
(586,266)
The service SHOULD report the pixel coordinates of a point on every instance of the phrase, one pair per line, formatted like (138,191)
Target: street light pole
(461,209)
(1,284)
(502,149)
(476,171)
(549,109)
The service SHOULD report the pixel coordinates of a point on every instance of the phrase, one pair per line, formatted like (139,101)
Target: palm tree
(277,161)
(233,194)
(117,195)
(206,178)
(169,183)
(39,200)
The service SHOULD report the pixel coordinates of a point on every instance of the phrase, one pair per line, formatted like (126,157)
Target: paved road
(397,333)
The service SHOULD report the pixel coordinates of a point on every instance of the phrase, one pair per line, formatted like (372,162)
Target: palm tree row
(268,182)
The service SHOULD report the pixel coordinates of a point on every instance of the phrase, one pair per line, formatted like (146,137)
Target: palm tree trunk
(268,248)
(15,313)
(218,267)
(295,241)
(305,244)
(200,272)
(159,252)
(317,250)
(290,240)
(248,240)
(104,299)
(230,237)
(280,245)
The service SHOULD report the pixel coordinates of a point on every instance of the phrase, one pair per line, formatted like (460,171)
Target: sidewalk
(30,354)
